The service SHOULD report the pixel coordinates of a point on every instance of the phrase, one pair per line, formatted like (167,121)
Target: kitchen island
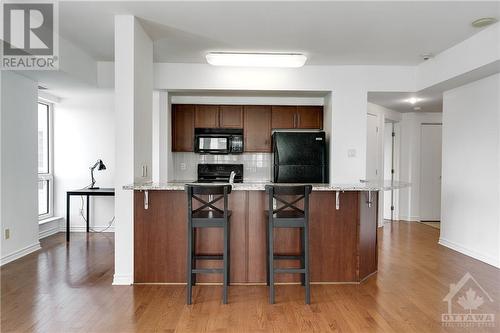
(343,234)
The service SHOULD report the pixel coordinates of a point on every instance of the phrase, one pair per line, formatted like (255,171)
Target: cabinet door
(284,116)
(182,127)
(257,130)
(206,116)
(309,117)
(231,116)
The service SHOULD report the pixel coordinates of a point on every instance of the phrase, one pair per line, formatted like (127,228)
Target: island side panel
(368,223)
(160,237)
(333,237)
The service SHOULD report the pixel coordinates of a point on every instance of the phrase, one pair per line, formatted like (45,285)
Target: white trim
(49,232)
(48,98)
(122,280)
(50,219)
(20,253)
(469,252)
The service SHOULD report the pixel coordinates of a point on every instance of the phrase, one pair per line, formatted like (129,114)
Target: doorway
(430,172)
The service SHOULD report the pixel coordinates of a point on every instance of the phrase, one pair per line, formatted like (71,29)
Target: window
(45,178)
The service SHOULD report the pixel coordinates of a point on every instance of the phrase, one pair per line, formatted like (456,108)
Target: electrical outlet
(7,233)
(183,166)
(144,170)
(351,153)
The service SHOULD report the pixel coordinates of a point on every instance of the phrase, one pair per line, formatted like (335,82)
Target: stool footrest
(288,257)
(289,270)
(207,270)
(209,257)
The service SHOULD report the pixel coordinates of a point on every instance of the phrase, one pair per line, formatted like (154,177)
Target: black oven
(218,140)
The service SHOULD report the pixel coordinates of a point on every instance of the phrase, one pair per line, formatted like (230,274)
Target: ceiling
(329,33)
(397,101)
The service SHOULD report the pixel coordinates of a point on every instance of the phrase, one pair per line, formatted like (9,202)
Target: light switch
(351,153)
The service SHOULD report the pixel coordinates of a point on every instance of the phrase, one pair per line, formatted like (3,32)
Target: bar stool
(288,216)
(207,216)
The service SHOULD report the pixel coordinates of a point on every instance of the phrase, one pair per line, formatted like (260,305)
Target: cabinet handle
(298,121)
(146,200)
(294,120)
(337,200)
(369,199)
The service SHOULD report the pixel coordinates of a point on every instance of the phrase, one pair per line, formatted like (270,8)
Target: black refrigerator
(300,157)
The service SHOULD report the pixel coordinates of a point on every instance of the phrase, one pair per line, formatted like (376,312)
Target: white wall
(470,206)
(84,133)
(18,172)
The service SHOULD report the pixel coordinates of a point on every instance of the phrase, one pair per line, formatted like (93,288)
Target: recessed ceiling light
(427,56)
(483,22)
(256,59)
(412,100)
(417,108)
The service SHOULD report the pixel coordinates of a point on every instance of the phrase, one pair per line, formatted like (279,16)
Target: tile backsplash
(257,166)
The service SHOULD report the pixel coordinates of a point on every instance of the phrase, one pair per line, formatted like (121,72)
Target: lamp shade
(101,166)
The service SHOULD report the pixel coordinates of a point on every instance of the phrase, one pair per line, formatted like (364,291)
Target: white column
(161,136)
(133,140)
(348,135)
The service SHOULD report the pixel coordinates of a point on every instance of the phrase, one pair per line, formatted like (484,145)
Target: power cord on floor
(110,223)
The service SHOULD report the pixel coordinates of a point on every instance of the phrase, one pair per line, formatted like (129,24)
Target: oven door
(207,144)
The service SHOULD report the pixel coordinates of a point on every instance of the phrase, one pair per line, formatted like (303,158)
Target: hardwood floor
(68,289)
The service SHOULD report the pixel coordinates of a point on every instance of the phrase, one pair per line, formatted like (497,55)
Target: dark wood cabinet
(257,129)
(206,116)
(182,127)
(257,122)
(283,117)
(309,116)
(231,116)
(299,117)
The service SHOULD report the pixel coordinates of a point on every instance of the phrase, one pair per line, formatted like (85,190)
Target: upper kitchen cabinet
(297,117)
(257,130)
(283,116)
(206,116)
(231,116)
(183,116)
(309,117)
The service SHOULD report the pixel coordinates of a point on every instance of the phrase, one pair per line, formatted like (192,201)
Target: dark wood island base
(343,241)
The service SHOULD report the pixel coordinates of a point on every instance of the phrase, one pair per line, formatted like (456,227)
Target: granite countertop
(178,185)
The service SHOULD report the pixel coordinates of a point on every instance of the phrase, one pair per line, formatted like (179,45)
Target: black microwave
(218,140)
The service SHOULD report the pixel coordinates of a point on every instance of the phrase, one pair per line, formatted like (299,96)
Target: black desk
(104,192)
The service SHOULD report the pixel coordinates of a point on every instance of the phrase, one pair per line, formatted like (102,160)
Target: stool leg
(228,254)
(267,254)
(226,262)
(193,255)
(302,256)
(306,266)
(189,262)
(271,263)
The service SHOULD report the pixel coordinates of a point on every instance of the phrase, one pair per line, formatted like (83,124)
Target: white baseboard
(469,252)
(20,253)
(49,227)
(410,218)
(122,280)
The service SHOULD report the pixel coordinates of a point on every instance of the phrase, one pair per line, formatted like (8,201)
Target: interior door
(430,172)
(372,147)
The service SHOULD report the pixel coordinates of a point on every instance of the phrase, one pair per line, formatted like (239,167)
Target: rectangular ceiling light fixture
(293,60)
